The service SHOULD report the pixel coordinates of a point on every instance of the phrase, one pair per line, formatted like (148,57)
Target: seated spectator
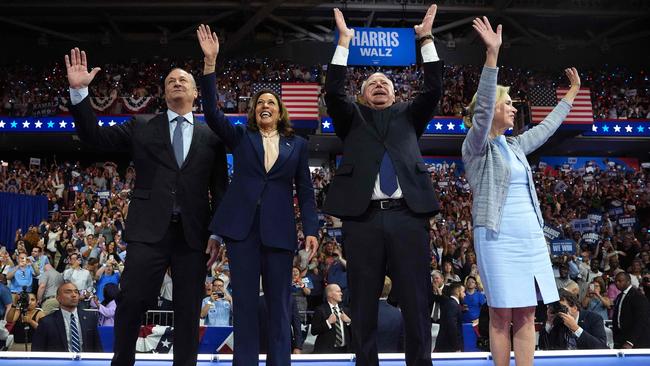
(25,322)
(22,275)
(80,327)
(106,307)
(80,277)
(568,328)
(596,299)
(563,281)
(390,325)
(473,300)
(450,336)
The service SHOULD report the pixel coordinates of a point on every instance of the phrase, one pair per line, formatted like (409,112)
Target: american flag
(543,100)
(301,99)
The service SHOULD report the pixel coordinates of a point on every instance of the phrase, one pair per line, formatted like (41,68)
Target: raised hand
(208,41)
(311,245)
(344,31)
(491,38)
(424,28)
(77,68)
(574,79)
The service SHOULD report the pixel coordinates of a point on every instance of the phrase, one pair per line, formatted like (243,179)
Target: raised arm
(109,137)
(213,115)
(477,136)
(338,106)
(532,139)
(423,106)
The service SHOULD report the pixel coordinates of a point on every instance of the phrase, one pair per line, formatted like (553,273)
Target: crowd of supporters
(25,90)
(82,238)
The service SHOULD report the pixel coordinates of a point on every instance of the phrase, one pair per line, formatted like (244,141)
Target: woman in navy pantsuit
(256,217)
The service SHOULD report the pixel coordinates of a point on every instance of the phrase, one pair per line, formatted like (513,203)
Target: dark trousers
(140,285)
(396,238)
(248,259)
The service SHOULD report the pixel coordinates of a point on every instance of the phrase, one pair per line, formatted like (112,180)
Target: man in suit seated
(631,320)
(450,337)
(331,324)
(569,328)
(390,324)
(67,329)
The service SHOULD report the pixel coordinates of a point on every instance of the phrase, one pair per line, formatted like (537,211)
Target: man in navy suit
(182,176)
(67,329)
(256,218)
(331,324)
(574,329)
(450,337)
(390,324)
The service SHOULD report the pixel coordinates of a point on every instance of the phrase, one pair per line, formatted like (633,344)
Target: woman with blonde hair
(511,250)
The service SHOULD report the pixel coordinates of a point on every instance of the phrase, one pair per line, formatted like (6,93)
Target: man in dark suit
(574,329)
(68,329)
(450,336)
(331,324)
(390,324)
(383,193)
(181,167)
(631,320)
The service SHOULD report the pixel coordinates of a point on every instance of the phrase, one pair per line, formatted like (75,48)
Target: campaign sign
(582,225)
(563,246)
(382,47)
(591,238)
(627,221)
(551,232)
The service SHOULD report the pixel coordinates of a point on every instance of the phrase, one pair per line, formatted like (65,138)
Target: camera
(219,294)
(23,300)
(556,308)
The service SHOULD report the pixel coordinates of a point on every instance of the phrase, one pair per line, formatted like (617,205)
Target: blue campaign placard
(382,47)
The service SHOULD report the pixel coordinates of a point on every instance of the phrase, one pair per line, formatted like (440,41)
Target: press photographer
(25,317)
(568,328)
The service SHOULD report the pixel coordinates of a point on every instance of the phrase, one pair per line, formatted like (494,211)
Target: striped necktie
(75,343)
(338,328)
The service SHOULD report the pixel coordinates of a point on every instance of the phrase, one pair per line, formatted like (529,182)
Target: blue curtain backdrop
(19,211)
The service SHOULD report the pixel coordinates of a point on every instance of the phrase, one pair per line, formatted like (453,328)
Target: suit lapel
(83,319)
(285,148)
(161,127)
(61,329)
(198,134)
(367,120)
(256,140)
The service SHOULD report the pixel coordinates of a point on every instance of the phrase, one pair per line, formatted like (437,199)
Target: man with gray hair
(382,192)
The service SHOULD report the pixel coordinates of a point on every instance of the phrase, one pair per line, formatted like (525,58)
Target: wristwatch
(424,38)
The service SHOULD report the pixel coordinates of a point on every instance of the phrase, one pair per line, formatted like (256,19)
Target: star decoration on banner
(617,128)
(2,124)
(238,122)
(640,128)
(326,124)
(594,128)
(100,123)
(450,126)
(111,123)
(166,343)
(26,124)
(605,128)
(73,125)
(438,126)
(38,124)
(62,124)
(50,124)
(14,124)
(462,127)
(628,129)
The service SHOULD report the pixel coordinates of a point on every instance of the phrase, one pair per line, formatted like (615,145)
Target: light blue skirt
(514,260)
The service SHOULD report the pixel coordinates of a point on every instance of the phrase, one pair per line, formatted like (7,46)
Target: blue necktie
(387,176)
(75,344)
(177,140)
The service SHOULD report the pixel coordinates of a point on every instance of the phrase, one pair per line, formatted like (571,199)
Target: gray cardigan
(486,169)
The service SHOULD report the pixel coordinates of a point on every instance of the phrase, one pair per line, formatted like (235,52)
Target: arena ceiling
(554,23)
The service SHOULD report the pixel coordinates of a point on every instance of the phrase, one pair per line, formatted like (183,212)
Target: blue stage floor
(543,358)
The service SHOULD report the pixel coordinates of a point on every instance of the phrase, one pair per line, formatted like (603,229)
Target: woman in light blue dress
(512,254)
